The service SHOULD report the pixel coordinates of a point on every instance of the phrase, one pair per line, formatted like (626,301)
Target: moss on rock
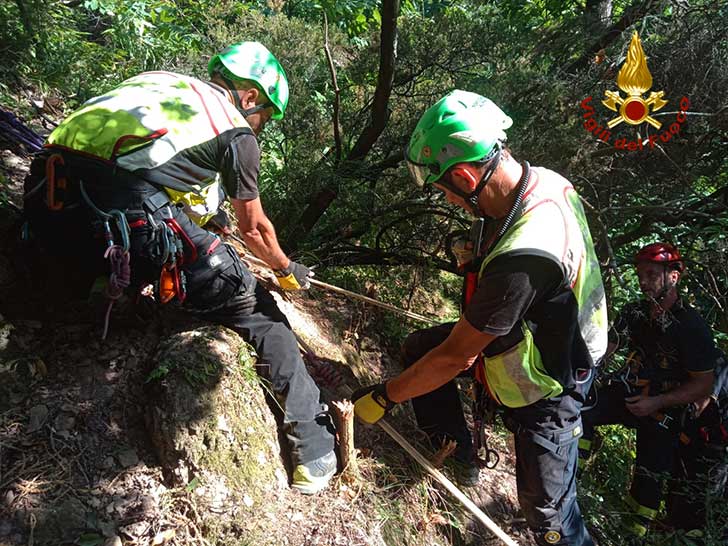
(208,418)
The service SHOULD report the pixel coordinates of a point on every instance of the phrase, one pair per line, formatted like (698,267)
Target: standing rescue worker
(132,176)
(670,365)
(538,315)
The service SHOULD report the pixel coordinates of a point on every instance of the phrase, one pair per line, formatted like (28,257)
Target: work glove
(371,403)
(294,277)
(462,249)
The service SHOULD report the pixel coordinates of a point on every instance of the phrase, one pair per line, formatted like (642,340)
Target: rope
(434,472)
(119,279)
(15,131)
(320,284)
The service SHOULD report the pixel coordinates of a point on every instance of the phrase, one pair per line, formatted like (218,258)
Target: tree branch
(630,16)
(385,79)
(337,91)
(322,199)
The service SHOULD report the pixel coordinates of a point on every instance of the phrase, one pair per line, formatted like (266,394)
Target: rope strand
(119,279)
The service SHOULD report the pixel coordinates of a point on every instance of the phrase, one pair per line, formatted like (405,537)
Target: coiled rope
(119,279)
(118,255)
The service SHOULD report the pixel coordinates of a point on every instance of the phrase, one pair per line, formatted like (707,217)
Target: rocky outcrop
(207,414)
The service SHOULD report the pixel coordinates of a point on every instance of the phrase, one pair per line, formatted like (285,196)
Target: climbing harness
(167,248)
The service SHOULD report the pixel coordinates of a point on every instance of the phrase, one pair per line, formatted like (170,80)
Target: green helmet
(252,61)
(460,127)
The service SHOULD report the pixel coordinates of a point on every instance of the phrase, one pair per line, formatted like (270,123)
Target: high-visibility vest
(145,122)
(552,224)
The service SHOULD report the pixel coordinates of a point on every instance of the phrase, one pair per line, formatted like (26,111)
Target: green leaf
(190,487)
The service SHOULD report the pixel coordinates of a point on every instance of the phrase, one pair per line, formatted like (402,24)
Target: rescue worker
(133,175)
(670,365)
(538,315)
(696,501)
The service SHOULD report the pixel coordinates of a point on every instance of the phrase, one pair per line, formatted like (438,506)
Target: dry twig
(447,448)
(344,412)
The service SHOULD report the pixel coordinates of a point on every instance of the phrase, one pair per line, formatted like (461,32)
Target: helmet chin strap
(472,198)
(237,101)
(665,286)
(660,296)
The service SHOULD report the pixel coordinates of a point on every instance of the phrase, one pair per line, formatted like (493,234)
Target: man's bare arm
(441,364)
(698,386)
(258,232)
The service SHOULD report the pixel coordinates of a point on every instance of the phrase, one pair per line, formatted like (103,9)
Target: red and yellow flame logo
(634,78)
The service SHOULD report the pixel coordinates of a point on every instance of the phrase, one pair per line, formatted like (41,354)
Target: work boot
(311,477)
(464,467)
(466,473)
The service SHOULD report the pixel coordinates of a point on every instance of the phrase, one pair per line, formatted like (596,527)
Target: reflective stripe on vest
(146,121)
(552,224)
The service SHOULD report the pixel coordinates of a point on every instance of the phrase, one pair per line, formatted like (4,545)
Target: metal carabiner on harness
(484,411)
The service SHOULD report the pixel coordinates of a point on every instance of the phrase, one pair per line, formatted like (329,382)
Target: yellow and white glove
(372,403)
(294,277)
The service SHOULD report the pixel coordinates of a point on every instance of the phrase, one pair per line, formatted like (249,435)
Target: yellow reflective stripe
(199,206)
(585,444)
(517,376)
(641,510)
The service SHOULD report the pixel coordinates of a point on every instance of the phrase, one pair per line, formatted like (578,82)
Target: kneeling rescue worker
(670,365)
(133,175)
(538,315)
(699,487)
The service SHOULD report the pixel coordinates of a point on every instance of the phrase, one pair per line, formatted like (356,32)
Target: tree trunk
(322,199)
(631,15)
(597,15)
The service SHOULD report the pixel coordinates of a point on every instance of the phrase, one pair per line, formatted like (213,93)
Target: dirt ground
(77,467)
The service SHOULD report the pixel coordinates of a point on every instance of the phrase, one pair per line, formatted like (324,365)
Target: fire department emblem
(634,79)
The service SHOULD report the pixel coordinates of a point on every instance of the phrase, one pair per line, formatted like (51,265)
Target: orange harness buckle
(53,182)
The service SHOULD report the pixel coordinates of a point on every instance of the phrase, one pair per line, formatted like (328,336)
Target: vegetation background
(333,178)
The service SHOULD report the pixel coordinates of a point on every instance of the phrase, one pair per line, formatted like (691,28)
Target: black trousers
(655,445)
(699,485)
(219,286)
(546,435)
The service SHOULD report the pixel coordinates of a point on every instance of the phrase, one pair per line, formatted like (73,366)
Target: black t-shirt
(669,346)
(532,288)
(233,154)
(240,167)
